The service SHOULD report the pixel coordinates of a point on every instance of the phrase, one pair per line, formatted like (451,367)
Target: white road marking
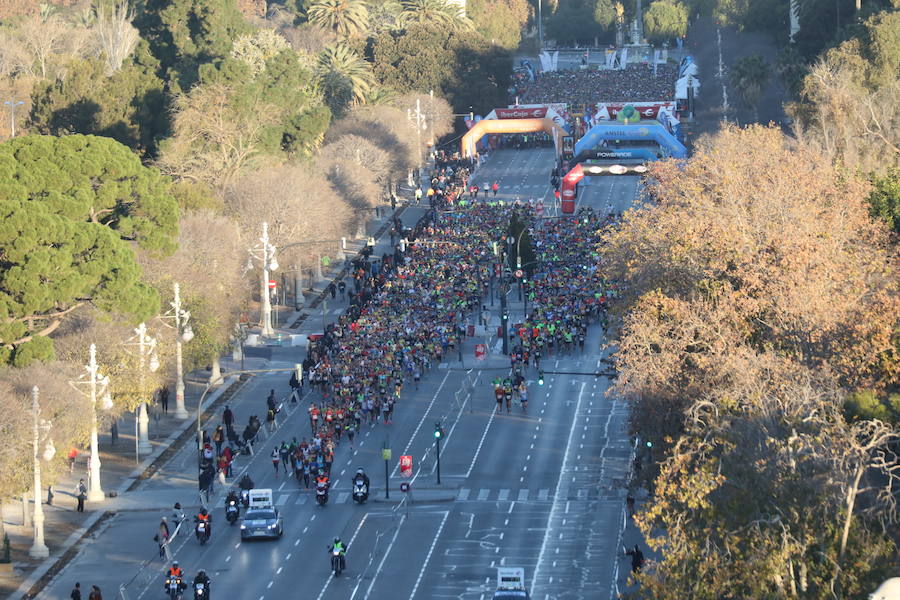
(437,536)
(556,500)
(331,575)
(481,442)
(384,556)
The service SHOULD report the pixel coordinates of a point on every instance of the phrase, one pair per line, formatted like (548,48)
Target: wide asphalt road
(542,490)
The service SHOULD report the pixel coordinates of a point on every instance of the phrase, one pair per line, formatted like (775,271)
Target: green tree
(234,118)
(343,77)
(460,66)
(71,208)
(749,77)
(499,21)
(578,21)
(184,34)
(885,198)
(129,105)
(665,19)
(347,18)
(438,13)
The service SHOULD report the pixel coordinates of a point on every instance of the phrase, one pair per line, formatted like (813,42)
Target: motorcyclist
(232,497)
(175,572)
(203,516)
(203,578)
(341,548)
(361,474)
(245,485)
(322,478)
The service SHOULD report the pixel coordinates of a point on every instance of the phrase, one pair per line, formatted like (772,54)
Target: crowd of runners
(409,311)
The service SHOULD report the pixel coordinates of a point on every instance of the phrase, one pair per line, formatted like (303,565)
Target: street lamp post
(265,253)
(183,333)
(99,386)
(39,548)
(146,346)
(12,104)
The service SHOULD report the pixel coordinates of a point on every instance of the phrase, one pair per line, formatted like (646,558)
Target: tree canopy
(458,65)
(71,209)
(665,19)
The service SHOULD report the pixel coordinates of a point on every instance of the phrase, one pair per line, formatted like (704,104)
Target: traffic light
(438,431)
(649,444)
(540,378)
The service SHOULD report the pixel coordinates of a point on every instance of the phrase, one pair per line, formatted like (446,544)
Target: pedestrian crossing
(306,496)
(503,495)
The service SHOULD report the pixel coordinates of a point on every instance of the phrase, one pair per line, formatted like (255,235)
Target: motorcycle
(360,491)
(173,588)
(337,562)
(322,493)
(231,512)
(202,532)
(200,591)
(245,498)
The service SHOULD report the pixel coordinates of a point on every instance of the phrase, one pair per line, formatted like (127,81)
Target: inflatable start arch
(488,126)
(650,131)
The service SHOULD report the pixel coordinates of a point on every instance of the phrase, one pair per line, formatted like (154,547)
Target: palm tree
(343,76)
(749,77)
(347,18)
(441,13)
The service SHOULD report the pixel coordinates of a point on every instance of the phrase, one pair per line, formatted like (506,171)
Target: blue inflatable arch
(650,131)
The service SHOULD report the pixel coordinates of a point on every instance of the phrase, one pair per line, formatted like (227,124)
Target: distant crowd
(636,83)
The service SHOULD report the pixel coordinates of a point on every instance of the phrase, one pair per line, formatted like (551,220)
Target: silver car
(262,522)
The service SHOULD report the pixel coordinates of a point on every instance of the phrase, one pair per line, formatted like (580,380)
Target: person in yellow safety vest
(418,195)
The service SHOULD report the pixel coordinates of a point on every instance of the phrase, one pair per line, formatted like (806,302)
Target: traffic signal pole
(438,434)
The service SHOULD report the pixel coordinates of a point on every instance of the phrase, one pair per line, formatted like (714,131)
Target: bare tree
(298,203)
(46,43)
(209,264)
(115,35)
(214,138)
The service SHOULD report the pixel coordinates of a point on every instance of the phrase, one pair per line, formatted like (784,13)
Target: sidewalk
(121,472)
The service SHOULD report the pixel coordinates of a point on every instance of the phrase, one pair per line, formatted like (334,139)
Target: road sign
(480,351)
(406,465)
(385,454)
(272,284)
(519,273)
(404,487)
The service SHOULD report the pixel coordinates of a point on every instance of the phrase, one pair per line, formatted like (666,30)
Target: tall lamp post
(41,430)
(98,385)
(265,253)
(12,104)
(146,347)
(183,333)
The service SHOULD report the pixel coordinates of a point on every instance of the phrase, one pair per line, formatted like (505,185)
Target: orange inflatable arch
(487,126)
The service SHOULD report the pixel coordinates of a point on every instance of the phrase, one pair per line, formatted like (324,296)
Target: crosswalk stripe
(342,497)
(582,494)
(504,494)
(463,494)
(483,494)
(523,495)
(302,499)
(282,499)
(543,494)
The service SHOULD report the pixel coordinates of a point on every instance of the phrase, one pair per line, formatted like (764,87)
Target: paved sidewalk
(121,472)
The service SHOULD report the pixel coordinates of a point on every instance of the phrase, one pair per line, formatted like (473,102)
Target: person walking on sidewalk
(95,593)
(228,418)
(342,288)
(76,592)
(80,494)
(72,456)
(164,398)
(495,188)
